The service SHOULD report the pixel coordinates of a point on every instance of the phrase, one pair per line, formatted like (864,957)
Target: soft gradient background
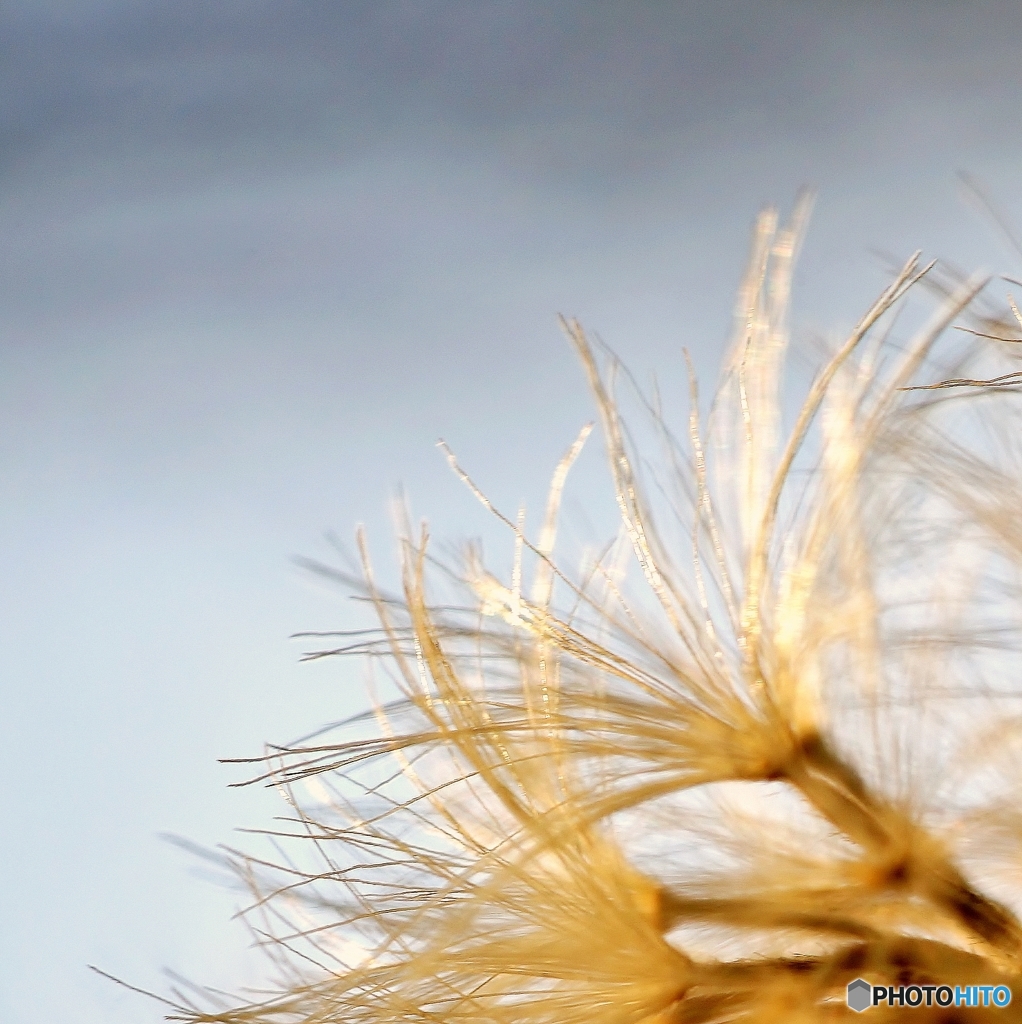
(258,256)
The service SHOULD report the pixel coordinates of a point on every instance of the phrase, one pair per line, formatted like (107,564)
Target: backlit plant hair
(763,744)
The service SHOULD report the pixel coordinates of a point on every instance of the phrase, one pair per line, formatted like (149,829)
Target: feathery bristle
(781,753)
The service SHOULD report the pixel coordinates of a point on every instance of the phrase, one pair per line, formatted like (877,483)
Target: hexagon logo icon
(860,995)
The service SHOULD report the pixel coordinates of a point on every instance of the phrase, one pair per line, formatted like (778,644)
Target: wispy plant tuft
(768,741)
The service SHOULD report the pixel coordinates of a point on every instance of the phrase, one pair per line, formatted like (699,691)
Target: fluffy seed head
(766,742)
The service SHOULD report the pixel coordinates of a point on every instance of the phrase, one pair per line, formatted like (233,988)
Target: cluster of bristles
(779,754)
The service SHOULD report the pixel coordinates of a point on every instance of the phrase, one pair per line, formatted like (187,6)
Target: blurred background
(258,256)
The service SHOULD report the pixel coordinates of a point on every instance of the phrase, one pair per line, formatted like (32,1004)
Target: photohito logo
(862,995)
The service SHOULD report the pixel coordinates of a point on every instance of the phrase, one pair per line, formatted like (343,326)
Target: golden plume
(766,743)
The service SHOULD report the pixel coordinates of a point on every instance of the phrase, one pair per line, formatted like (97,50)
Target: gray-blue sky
(258,256)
